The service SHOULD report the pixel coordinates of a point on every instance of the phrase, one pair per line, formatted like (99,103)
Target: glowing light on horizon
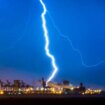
(55,68)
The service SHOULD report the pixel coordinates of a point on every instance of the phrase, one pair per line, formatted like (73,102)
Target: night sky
(22,54)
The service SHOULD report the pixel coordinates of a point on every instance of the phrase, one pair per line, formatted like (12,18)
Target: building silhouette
(43,83)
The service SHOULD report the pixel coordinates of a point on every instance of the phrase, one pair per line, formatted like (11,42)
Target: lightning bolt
(55,68)
(71,44)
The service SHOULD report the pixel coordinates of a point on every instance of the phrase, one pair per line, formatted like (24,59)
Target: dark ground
(52,100)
